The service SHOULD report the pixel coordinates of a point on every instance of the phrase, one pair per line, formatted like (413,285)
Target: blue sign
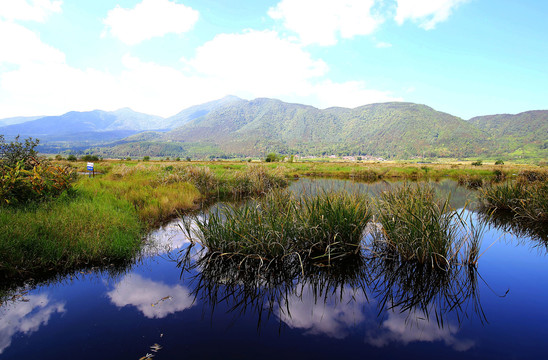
(90,166)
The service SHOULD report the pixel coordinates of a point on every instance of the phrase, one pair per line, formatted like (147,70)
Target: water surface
(214,310)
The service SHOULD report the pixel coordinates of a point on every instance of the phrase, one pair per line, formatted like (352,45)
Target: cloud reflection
(26,317)
(332,315)
(402,327)
(142,293)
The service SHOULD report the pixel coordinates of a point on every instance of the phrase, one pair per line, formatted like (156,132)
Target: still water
(156,308)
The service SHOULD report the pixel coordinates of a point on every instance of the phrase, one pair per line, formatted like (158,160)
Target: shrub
(16,151)
(477,163)
(71,157)
(146,158)
(272,157)
(499,162)
(89,158)
(44,181)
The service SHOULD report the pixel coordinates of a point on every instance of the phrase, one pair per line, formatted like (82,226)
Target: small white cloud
(332,316)
(149,19)
(36,10)
(26,317)
(426,13)
(323,21)
(153,299)
(383,45)
(404,327)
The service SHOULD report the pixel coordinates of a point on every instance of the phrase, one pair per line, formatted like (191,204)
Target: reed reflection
(339,299)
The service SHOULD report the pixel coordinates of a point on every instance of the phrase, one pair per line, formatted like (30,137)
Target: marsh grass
(322,228)
(526,200)
(78,230)
(416,226)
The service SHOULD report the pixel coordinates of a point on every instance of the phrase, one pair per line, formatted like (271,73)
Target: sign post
(90,169)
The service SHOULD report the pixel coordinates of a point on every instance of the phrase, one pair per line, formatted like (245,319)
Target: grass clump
(323,227)
(416,226)
(527,201)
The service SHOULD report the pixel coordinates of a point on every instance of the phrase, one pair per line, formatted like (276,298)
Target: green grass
(323,227)
(418,227)
(103,219)
(83,229)
(526,200)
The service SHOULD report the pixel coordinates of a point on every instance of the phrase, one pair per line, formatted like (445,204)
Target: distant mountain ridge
(236,127)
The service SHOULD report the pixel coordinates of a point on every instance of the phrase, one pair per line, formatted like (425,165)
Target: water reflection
(397,329)
(524,230)
(333,316)
(152,298)
(411,303)
(26,316)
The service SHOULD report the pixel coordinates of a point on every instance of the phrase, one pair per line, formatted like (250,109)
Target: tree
(16,151)
(272,157)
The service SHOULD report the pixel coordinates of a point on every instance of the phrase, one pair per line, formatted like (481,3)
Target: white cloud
(404,327)
(150,18)
(323,21)
(22,46)
(258,62)
(332,316)
(35,78)
(37,10)
(26,317)
(426,13)
(153,299)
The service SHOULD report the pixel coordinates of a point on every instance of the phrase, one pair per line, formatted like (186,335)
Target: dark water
(212,310)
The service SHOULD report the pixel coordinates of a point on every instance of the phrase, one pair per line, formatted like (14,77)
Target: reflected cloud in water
(153,299)
(332,316)
(405,328)
(26,317)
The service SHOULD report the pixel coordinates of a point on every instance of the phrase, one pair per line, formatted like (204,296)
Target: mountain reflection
(153,299)
(403,303)
(26,316)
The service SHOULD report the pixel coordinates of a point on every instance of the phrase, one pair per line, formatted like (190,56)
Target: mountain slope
(75,122)
(197,111)
(389,129)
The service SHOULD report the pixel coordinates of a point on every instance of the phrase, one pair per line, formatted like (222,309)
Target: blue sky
(464,57)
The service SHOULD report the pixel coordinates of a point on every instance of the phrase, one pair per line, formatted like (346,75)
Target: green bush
(71,157)
(16,152)
(477,163)
(499,162)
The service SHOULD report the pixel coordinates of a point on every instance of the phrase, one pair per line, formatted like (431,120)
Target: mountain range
(235,127)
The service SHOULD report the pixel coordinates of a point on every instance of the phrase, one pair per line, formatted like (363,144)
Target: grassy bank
(86,228)
(103,219)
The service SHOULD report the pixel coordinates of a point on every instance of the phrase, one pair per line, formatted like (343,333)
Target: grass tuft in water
(324,227)
(417,226)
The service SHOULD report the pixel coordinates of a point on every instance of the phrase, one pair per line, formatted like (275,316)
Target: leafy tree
(146,158)
(499,162)
(71,157)
(271,157)
(16,151)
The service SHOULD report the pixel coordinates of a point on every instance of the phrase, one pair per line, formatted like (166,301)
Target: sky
(464,57)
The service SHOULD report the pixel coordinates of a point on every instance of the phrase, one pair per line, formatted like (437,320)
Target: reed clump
(526,200)
(417,226)
(323,227)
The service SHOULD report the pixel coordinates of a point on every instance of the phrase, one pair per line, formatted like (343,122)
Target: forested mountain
(389,130)
(235,127)
(75,122)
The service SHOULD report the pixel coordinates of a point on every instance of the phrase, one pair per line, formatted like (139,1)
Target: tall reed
(323,227)
(417,226)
